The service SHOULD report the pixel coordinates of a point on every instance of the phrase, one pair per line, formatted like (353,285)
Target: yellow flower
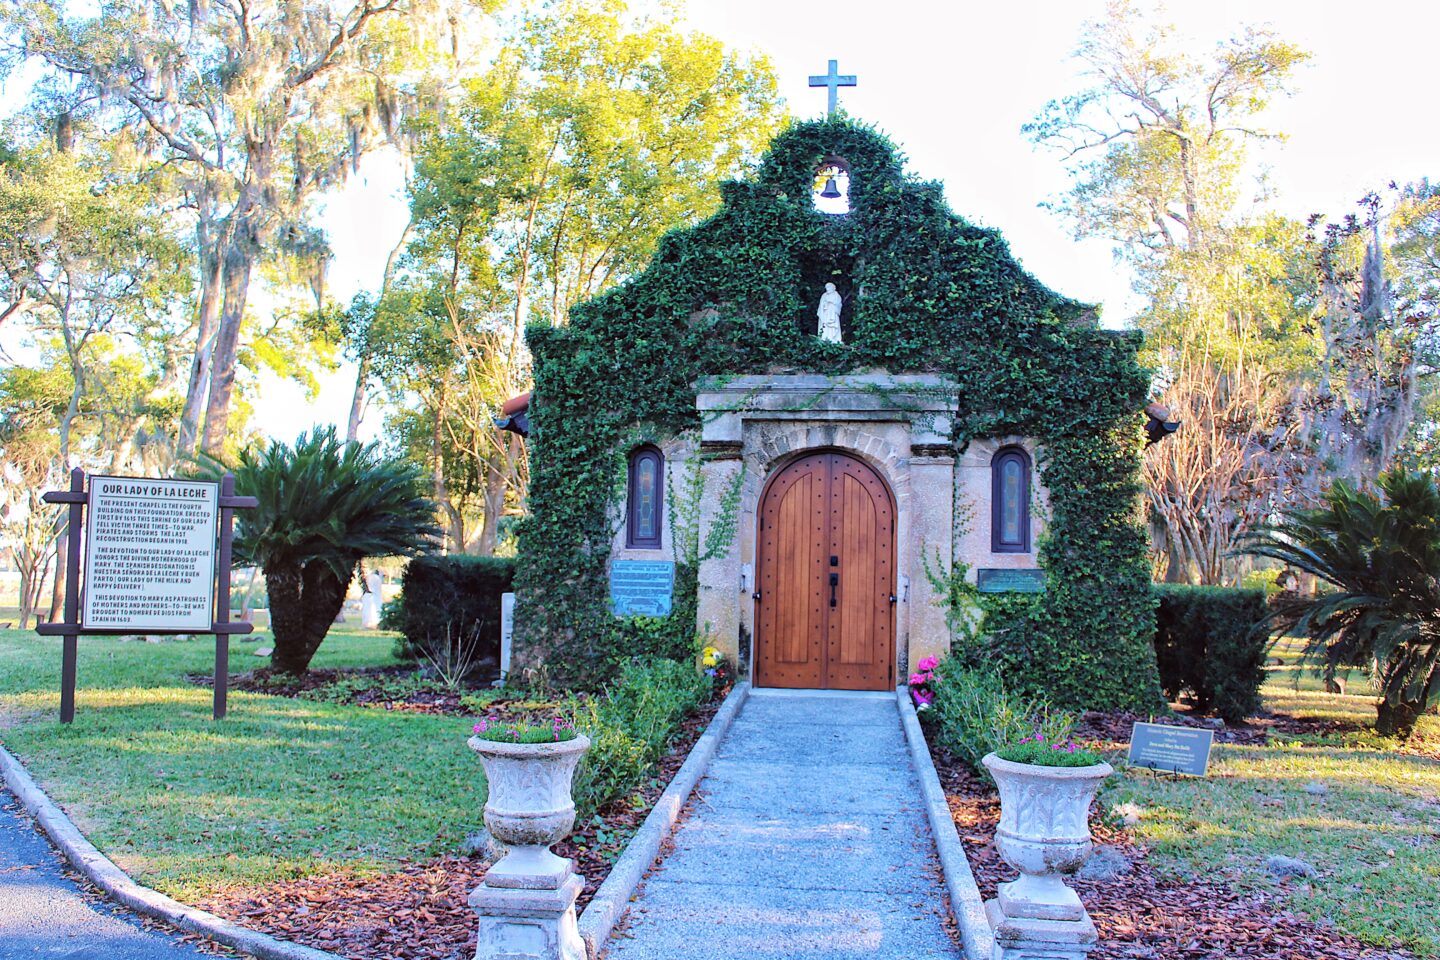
(711,657)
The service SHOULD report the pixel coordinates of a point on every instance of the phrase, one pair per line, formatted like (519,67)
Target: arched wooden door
(826,577)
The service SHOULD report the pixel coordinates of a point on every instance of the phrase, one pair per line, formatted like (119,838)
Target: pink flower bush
(922,683)
(1040,738)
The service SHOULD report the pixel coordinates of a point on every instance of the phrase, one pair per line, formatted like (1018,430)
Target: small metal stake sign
(153,562)
(1171,749)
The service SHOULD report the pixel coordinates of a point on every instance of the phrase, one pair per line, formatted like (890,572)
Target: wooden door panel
(792,552)
(826,514)
(861,647)
(796,593)
(855,545)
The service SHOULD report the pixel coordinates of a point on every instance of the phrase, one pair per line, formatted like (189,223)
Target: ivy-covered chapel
(832,430)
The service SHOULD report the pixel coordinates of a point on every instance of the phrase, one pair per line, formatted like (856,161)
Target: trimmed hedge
(447,597)
(1209,641)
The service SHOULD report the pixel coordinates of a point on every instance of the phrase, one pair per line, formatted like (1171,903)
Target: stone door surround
(898,425)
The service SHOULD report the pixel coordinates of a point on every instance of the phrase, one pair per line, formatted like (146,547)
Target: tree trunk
(303,604)
(239,259)
(357,402)
(210,300)
(1398,719)
(438,491)
(495,485)
(33,569)
(57,587)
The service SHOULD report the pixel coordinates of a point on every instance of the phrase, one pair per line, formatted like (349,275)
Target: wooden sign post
(156,559)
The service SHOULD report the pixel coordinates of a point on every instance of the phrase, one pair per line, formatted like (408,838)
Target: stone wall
(900,426)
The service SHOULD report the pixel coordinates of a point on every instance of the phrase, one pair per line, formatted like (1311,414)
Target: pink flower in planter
(919,679)
(922,697)
(929,663)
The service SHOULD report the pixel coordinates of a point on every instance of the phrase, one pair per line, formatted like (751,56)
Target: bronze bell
(830,191)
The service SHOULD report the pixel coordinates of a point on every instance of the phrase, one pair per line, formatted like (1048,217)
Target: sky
(953,82)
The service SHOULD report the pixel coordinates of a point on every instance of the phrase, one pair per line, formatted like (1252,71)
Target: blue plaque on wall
(1009,581)
(642,587)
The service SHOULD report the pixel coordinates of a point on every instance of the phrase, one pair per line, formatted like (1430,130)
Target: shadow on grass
(1364,815)
(280,789)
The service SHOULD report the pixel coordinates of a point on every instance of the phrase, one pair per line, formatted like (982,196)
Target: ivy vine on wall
(925,292)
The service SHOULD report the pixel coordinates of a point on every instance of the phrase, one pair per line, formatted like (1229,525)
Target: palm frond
(1379,552)
(328,501)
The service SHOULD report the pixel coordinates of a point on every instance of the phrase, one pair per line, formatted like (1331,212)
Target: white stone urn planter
(526,903)
(1044,833)
(529,806)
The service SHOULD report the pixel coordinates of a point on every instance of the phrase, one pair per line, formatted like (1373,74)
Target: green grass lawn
(281,788)
(1374,834)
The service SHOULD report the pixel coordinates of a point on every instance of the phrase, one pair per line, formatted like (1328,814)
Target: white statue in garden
(830,315)
(370,602)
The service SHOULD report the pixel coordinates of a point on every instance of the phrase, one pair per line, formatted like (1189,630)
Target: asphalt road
(45,913)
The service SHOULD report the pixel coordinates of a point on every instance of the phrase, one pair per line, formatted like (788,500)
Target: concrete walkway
(808,839)
(44,914)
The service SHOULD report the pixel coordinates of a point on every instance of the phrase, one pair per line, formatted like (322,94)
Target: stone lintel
(721,449)
(925,400)
(932,452)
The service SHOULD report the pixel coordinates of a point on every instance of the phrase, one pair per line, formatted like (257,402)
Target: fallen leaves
(1144,915)
(419,912)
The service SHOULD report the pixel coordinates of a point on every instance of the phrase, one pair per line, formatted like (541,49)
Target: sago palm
(1381,554)
(324,506)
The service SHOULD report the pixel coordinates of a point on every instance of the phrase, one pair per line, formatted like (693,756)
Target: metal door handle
(834,582)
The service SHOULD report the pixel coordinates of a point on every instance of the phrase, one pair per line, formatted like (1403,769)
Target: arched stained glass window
(645,499)
(1010,501)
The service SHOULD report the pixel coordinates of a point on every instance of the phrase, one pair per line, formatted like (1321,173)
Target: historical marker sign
(989,580)
(1171,749)
(642,587)
(150,554)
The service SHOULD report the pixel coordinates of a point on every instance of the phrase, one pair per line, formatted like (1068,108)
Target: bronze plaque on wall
(1010,581)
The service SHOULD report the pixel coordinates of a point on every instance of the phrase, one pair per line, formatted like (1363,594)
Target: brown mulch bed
(380,694)
(419,912)
(1144,915)
(1113,728)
